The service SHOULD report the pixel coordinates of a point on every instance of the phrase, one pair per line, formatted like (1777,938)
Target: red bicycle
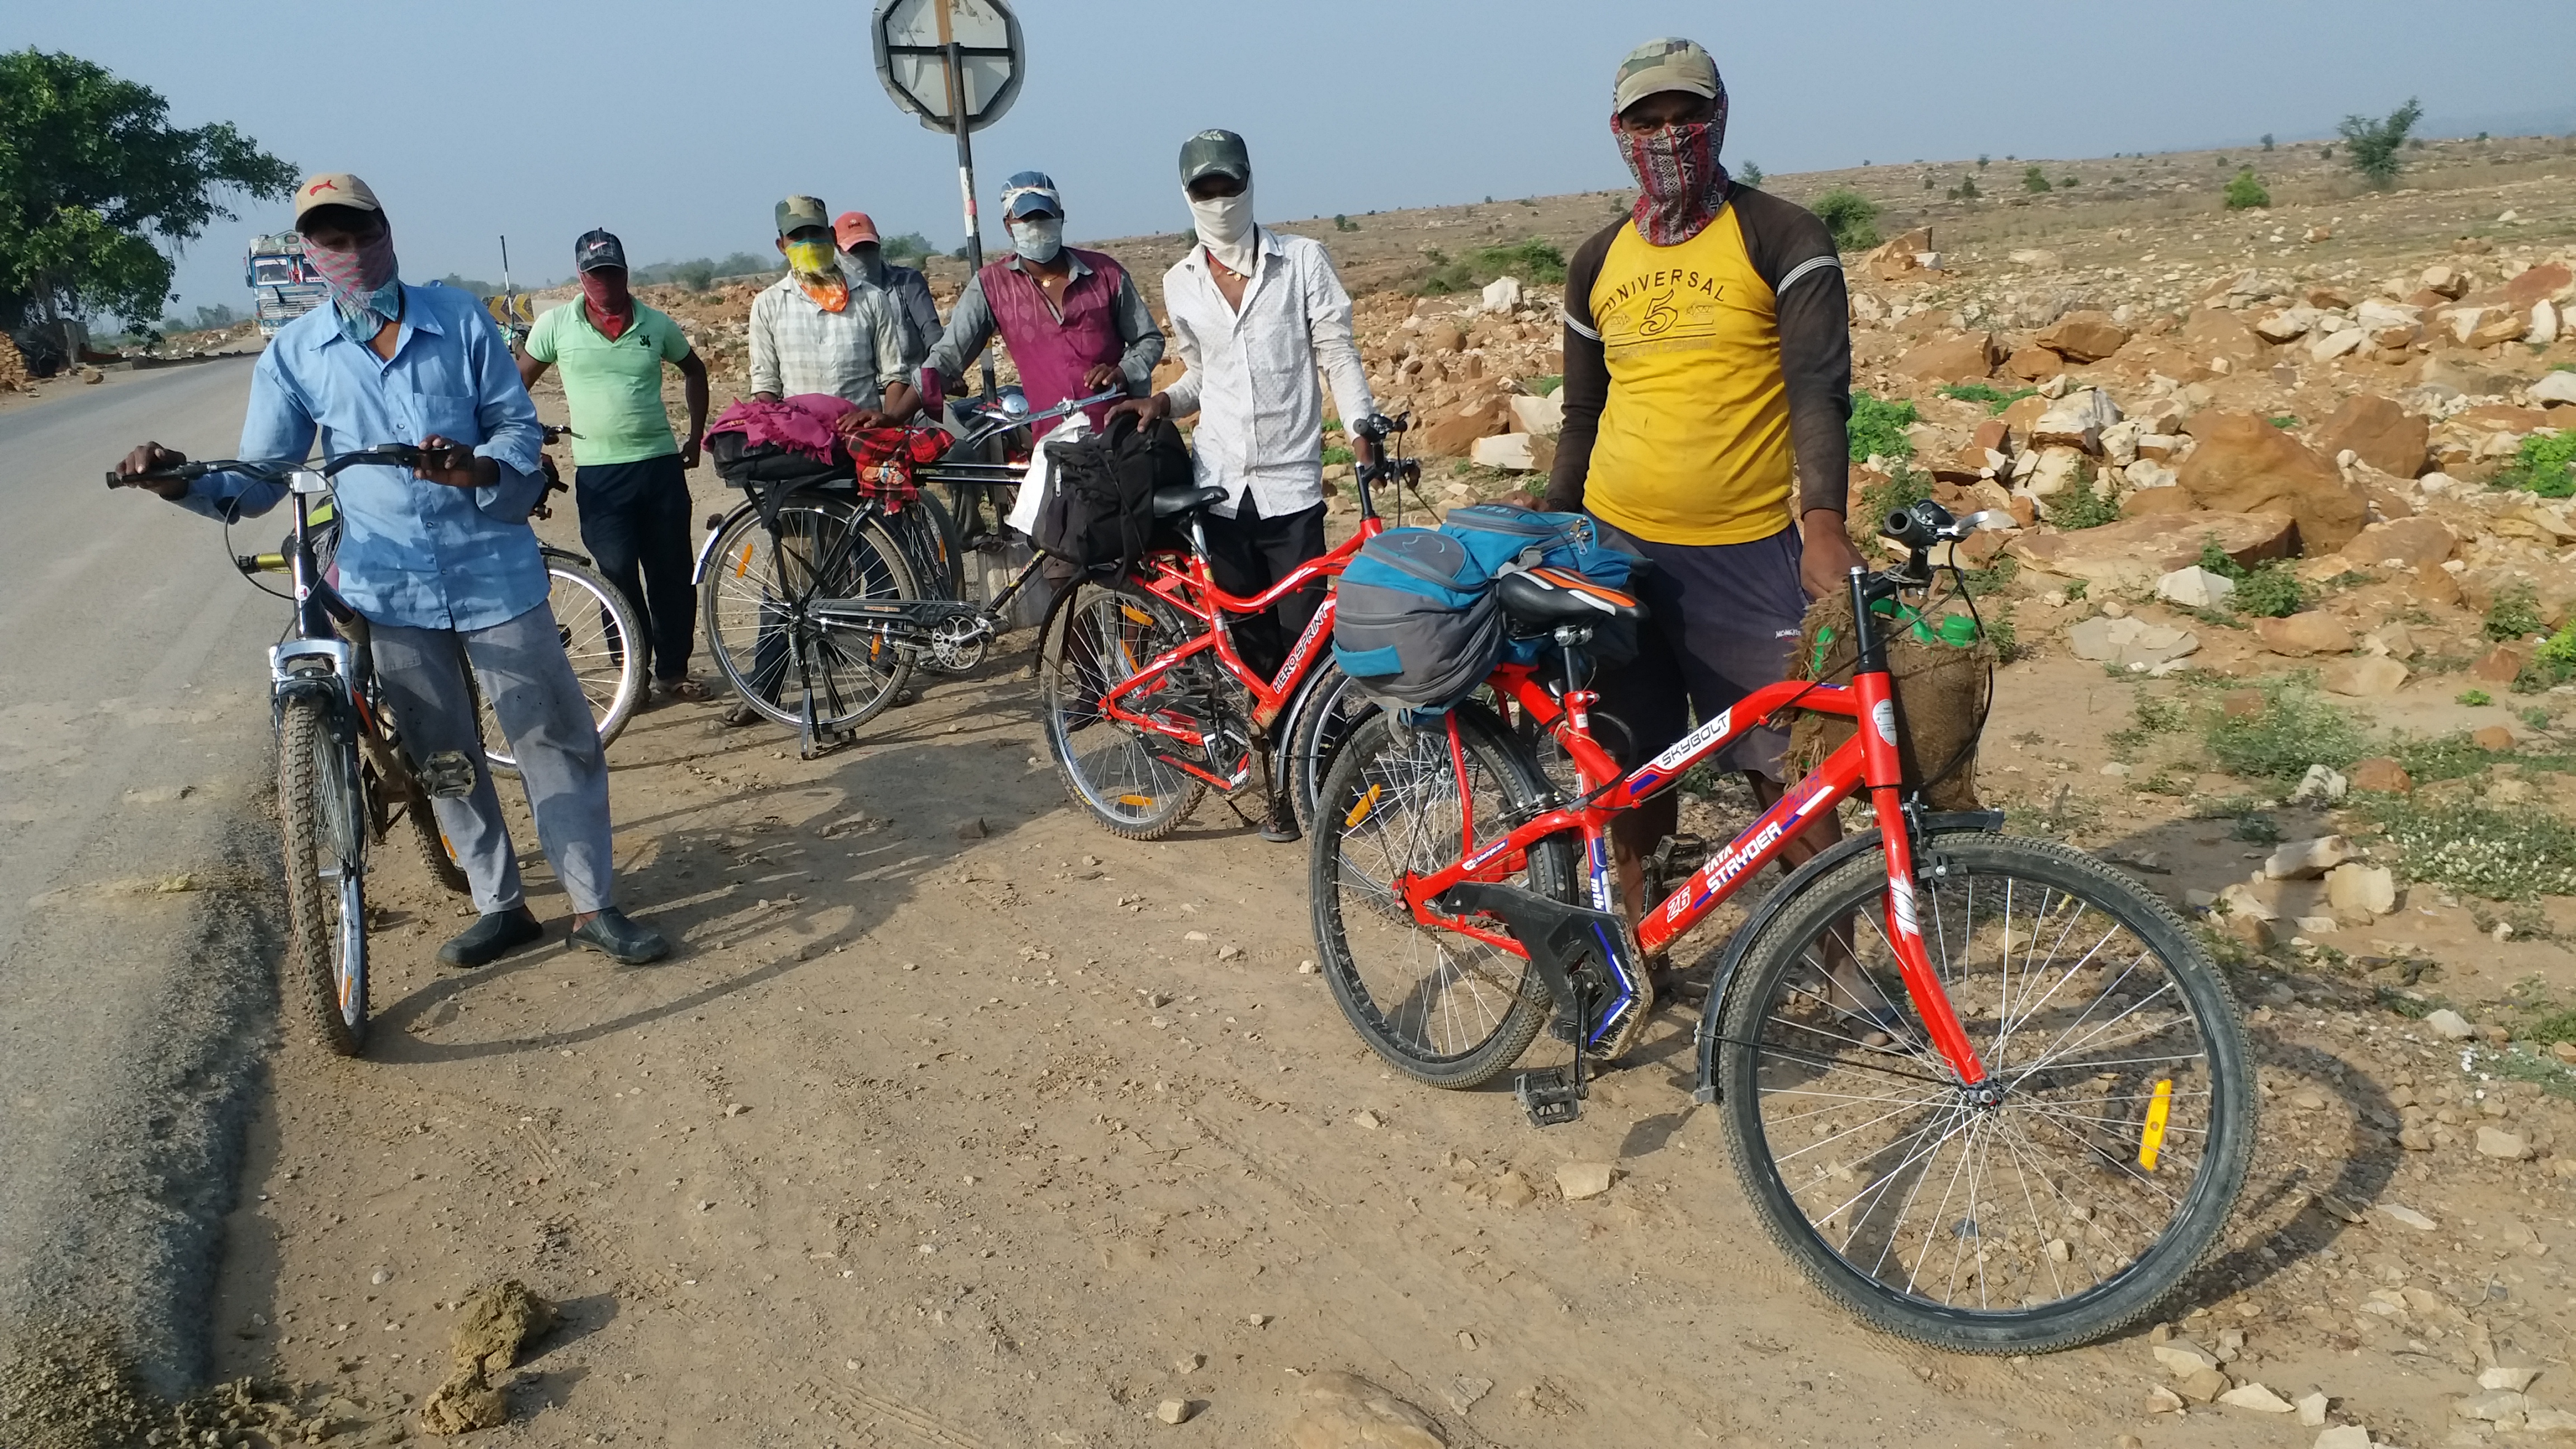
(1986,1091)
(1149,706)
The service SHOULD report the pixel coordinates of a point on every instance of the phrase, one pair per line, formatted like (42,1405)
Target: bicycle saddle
(1549,597)
(1172,502)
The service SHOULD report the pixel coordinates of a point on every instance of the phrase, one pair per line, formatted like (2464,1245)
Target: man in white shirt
(1254,315)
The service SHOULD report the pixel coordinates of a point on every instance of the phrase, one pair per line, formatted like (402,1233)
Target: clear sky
(677,124)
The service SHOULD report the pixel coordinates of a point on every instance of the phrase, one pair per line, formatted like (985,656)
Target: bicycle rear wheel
(605,644)
(1095,641)
(1333,710)
(762,632)
(2057,1202)
(1440,1007)
(323,828)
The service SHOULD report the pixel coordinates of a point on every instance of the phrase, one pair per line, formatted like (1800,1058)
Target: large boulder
(2547,282)
(1454,435)
(1969,356)
(2136,552)
(2243,464)
(2416,543)
(2381,432)
(1900,258)
(2084,336)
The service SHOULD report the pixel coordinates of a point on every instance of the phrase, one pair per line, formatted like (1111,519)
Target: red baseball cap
(853,227)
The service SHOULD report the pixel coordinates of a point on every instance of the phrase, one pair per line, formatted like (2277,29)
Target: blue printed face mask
(1038,238)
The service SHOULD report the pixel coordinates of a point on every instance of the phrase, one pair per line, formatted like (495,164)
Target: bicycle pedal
(448,775)
(1550,1099)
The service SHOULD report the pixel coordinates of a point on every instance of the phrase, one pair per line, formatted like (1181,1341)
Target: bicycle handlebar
(398,455)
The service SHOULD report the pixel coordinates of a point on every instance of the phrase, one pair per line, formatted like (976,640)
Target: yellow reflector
(743,564)
(1137,802)
(2152,1140)
(1359,812)
(1135,615)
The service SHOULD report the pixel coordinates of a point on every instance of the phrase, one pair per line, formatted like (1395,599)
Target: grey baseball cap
(1670,64)
(598,248)
(799,212)
(1215,153)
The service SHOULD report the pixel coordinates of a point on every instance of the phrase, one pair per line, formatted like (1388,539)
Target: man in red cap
(908,289)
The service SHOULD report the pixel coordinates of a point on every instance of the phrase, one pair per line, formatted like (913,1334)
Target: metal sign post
(956,65)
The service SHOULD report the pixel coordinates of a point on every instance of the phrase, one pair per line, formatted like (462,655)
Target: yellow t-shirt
(1694,443)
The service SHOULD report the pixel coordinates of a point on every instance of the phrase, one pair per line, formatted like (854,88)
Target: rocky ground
(958,1122)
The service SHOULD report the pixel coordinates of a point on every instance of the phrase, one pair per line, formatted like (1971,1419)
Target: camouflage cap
(799,212)
(1665,65)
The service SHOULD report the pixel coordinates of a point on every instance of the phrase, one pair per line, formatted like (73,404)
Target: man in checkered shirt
(824,327)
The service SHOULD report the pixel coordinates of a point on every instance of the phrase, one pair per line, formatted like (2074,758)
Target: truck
(283,285)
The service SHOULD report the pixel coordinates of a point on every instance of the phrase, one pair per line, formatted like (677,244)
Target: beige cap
(799,212)
(334,188)
(1665,65)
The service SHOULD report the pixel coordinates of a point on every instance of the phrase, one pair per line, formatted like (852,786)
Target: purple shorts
(1722,621)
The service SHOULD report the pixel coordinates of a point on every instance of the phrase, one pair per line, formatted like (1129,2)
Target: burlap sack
(1941,692)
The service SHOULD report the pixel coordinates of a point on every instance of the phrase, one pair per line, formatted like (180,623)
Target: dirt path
(935,1138)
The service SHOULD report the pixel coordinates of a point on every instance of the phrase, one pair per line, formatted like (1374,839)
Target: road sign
(912,44)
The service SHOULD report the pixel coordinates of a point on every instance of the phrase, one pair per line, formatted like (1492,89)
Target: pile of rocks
(13,367)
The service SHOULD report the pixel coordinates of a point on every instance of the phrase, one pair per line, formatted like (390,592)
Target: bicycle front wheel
(605,644)
(2056,1202)
(1440,1007)
(1334,708)
(1097,640)
(761,625)
(323,820)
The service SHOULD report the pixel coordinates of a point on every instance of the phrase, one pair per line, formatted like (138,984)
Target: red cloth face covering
(609,305)
(1680,184)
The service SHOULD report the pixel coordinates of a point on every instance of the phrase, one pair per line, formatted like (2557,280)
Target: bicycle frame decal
(1316,628)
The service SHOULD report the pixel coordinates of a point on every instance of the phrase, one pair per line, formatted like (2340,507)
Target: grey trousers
(530,683)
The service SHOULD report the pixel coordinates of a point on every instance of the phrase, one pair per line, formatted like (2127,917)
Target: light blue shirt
(411,552)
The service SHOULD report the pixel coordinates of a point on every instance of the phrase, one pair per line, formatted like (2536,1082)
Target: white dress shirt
(1251,374)
(797,347)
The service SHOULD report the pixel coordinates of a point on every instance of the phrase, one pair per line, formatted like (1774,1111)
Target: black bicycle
(344,775)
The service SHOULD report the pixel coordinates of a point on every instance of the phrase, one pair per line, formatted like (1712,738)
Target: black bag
(741,465)
(1099,509)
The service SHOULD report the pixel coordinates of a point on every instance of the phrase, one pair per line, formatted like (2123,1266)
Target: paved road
(135,1002)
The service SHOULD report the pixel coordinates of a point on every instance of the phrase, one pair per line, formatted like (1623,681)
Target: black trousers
(1248,554)
(635,524)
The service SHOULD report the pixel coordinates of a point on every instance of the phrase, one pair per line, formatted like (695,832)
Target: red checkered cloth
(885,458)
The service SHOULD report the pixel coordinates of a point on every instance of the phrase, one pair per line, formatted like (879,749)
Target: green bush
(1531,260)
(1966,190)
(2083,504)
(2515,613)
(1851,217)
(1904,488)
(1995,399)
(2266,591)
(2292,730)
(2373,147)
(2552,664)
(2545,464)
(2245,192)
(1878,427)
(2033,181)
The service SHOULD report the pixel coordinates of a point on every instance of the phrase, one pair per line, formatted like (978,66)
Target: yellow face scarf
(818,271)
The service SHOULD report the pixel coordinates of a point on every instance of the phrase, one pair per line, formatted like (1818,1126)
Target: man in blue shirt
(440,560)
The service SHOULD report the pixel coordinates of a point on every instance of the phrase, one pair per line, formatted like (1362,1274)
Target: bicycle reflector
(2151,1141)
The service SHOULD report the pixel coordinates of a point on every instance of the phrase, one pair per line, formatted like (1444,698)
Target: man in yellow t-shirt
(1707,383)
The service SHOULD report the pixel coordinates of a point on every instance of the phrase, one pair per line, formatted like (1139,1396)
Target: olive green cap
(799,212)
(1669,64)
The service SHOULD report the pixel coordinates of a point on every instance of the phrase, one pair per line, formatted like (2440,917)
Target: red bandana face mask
(1680,184)
(605,299)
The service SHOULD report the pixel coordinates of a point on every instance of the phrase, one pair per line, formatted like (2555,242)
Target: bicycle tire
(435,853)
(751,603)
(2078,1220)
(322,839)
(604,644)
(1386,768)
(1333,710)
(946,560)
(1097,637)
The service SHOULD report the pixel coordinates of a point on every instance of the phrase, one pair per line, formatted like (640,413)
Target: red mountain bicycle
(1148,706)
(1985,1091)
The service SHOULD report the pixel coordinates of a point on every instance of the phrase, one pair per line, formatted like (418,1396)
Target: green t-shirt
(614,389)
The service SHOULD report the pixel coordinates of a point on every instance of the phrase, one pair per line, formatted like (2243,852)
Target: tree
(1750,174)
(2373,147)
(2267,140)
(1851,217)
(2033,181)
(91,172)
(2245,191)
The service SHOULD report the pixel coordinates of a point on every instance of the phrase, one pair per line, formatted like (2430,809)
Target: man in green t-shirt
(630,474)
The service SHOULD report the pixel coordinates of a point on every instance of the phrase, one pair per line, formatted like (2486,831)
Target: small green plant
(2256,829)
(1983,161)
(1344,223)
(1750,174)
(1532,260)
(1850,216)
(2077,588)
(2545,464)
(2269,591)
(2069,183)
(2503,856)
(1995,399)
(2245,192)
(2290,730)
(1337,455)
(1878,427)
(2452,756)
(1904,488)
(2475,697)
(2149,715)
(1543,384)
(2001,634)
(2373,147)
(1994,577)
(2285,421)
(1966,190)
(2551,665)
(2081,504)
(2536,717)
(2515,612)
(2033,181)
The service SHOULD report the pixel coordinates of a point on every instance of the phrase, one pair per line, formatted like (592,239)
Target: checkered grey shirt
(797,347)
